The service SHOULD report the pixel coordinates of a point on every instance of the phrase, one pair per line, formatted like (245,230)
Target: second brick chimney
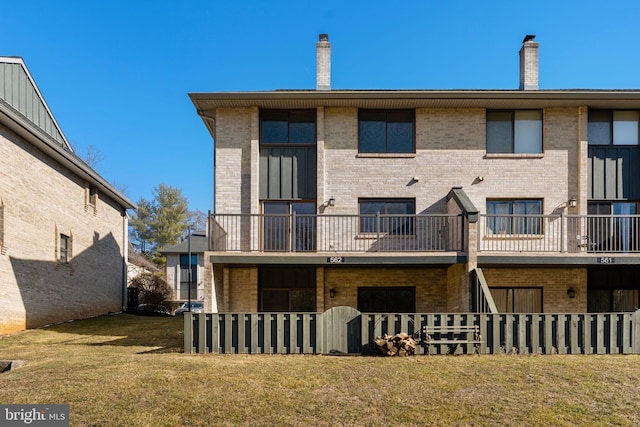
(529,63)
(323,63)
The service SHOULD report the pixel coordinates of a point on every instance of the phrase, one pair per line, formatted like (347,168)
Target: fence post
(636,332)
(188,333)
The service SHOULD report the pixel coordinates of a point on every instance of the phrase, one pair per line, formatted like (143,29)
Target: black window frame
(609,289)
(276,227)
(386,299)
(185,286)
(498,220)
(291,117)
(387,116)
(513,142)
(64,249)
(297,284)
(607,116)
(403,225)
(611,231)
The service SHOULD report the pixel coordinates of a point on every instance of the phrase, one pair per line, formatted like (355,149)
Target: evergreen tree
(160,222)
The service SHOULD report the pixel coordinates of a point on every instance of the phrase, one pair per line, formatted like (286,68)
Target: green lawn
(125,370)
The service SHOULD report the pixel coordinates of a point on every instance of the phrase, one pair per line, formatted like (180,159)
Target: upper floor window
(608,127)
(396,216)
(386,131)
(288,126)
(514,216)
(514,131)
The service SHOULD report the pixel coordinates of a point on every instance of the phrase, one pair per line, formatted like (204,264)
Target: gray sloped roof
(199,244)
(19,89)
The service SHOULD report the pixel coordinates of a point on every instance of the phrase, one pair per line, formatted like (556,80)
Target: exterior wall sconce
(571,292)
(332,202)
(480,178)
(332,292)
(573,203)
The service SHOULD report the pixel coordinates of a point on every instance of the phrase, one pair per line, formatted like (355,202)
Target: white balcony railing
(336,233)
(559,233)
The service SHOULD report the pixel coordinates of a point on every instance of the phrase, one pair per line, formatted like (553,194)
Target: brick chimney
(323,63)
(529,63)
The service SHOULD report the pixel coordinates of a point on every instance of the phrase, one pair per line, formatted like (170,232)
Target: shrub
(152,289)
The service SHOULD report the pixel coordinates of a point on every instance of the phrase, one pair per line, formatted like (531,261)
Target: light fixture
(332,201)
(332,292)
(571,292)
(416,179)
(480,178)
(573,203)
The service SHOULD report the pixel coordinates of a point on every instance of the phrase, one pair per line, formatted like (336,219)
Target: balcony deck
(336,234)
(425,239)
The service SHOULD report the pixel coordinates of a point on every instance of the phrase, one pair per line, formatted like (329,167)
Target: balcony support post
(378,230)
(292,227)
(563,218)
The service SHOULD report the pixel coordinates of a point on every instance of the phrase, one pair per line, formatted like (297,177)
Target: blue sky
(116,74)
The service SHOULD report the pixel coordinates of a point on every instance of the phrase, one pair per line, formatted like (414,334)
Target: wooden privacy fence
(346,330)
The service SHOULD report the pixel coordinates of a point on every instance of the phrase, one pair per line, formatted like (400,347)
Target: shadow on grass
(164,334)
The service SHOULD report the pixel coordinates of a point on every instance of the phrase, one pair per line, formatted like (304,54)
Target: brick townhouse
(63,228)
(521,200)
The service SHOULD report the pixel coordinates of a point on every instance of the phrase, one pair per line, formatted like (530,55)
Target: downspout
(125,257)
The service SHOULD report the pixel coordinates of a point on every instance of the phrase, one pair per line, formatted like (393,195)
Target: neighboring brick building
(63,228)
(399,200)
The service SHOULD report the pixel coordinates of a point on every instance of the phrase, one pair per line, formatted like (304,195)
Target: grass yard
(125,370)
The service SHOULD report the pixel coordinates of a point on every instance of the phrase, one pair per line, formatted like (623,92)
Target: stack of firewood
(396,345)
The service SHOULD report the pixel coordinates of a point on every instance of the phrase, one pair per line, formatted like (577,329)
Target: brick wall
(243,289)
(450,152)
(430,283)
(233,160)
(42,199)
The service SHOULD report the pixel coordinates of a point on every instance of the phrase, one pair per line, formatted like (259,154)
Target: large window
(613,289)
(287,127)
(287,289)
(395,216)
(517,300)
(514,131)
(607,127)
(514,217)
(387,300)
(280,231)
(287,164)
(383,131)
(188,281)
